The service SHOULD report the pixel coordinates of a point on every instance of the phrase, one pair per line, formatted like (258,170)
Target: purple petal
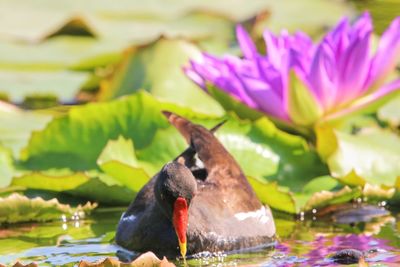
(195,77)
(354,64)
(247,46)
(277,49)
(322,75)
(339,36)
(387,56)
(301,51)
(235,82)
(368,100)
(266,98)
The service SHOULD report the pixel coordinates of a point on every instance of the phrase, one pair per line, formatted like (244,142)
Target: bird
(200,201)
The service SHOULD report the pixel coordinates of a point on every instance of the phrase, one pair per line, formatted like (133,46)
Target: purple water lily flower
(300,82)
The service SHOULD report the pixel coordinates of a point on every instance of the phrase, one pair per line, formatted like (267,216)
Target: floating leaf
(271,194)
(57,183)
(19,264)
(6,167)
(32,22)
(60,53)
(118,160)
(90,185)
(144,260)
(267,153)
(325,198)
(283,15)
(16,126)
(390,112)
(372,154)
(18,208)
(377,192)
(64,85)
(75,141)
(158,69)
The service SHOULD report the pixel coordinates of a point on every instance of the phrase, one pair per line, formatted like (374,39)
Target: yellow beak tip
(182,247)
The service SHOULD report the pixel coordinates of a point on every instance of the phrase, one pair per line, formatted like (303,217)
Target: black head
(174,180)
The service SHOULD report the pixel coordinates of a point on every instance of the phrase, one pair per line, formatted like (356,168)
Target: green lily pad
(271,194)
(6,167)
(284,15)
(373,154)
(267,153)
(18,208)
(45,181)
(90,185)
(60,52)
(32,21)
(118,160)
(64,85)
(17,125)
(326,198)
(75,141)
(390,112)
(158,69)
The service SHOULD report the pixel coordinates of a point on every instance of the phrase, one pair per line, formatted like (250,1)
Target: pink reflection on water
(318,251)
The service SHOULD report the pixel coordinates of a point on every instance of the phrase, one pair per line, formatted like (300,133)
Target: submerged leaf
(19,208)
(147,259)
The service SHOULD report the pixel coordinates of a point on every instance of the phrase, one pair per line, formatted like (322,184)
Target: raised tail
(203,142)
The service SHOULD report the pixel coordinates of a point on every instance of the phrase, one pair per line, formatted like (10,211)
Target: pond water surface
(301,243)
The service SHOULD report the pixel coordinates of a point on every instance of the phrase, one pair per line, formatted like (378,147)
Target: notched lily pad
(19,208)
(147,259)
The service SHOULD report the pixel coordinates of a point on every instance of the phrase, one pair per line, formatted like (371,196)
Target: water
(301,243)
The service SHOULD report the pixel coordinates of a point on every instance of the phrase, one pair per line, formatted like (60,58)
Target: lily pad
(19,208)
(284,15)
(6,167)
(61,52)
(158,69)
(275,197)
(267,153)
(75,141)
(390,112)
(373,154)
(64,85)
(118,160)
(17,125)
(91,185)
(32,21)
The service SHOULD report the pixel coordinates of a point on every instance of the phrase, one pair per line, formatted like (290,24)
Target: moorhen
(202,203)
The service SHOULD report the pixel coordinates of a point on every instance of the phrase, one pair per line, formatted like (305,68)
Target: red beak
(180,222)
